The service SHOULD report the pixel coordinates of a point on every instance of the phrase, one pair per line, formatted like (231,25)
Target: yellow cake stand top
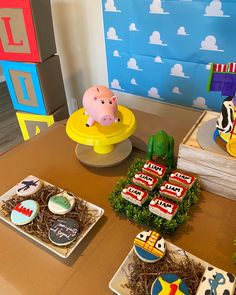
(102,138)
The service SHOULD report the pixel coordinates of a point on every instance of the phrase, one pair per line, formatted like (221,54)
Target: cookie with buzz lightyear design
(169,283)
(28,186)
(61,203)
(149,246)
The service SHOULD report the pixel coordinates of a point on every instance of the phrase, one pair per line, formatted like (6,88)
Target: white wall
(78,26)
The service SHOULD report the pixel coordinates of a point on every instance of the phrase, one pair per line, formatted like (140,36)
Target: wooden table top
(28,268)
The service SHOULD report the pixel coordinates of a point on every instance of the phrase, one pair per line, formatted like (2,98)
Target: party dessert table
(29,268)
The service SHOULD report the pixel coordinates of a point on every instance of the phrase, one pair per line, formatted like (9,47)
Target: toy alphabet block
(35,88)
(26,30)
(32,125)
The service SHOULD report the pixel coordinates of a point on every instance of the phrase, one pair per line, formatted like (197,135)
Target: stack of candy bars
(64,230)
(150,247)
(174,189)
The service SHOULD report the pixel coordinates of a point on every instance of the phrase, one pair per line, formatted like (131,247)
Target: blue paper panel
(163,49)
(20,78)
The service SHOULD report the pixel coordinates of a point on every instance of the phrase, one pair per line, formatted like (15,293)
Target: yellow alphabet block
(31,124)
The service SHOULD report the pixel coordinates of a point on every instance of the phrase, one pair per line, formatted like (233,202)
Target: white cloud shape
(133,81)
(210,44)
(153,92)
(177,70)
(116,53)
(214,9)
(155,39)
(200,102)
(158,59)
(176,90)
(181,31)
(155,7)
(132,27)
(132,64)
(111,34)
(110,6)
(208,66)
(116,84)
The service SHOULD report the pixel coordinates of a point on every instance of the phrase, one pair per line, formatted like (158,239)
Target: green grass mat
(142,215)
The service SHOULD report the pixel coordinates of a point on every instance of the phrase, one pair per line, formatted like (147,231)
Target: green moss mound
(142,215)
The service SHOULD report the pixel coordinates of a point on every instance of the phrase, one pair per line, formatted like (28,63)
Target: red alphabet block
(26,30)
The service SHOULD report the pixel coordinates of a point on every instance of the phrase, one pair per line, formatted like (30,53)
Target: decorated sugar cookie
(28,186)
(24,212)
(216,281)
(149,246)
(61,203)
(169,284)
(64,231)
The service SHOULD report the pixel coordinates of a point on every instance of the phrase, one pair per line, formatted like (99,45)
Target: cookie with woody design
(168,284)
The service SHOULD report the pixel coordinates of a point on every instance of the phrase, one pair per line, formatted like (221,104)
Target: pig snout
(106,120)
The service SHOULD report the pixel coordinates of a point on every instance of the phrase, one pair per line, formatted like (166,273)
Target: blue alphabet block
(35,88)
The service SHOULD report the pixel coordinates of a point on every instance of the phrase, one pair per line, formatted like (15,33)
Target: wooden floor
(10,133)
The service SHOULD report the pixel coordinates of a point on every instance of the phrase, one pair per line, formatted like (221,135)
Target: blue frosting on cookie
(169,284)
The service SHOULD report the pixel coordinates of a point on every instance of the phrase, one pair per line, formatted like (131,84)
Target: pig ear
(114,98)
(95,98)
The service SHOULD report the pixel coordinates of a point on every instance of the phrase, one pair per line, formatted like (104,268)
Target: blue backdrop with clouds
(163,49)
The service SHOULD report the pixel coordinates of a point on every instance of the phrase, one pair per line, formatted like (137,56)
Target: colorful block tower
(30,64)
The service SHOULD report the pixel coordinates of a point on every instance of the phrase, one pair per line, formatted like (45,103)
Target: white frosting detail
(139,198)
(125,190)
(178,194)
(153,202)
(162,187)
(145,166)
(172,175)
(188,180)
(136,176)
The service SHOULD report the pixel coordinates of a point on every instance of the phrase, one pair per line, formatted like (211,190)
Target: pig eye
(102,101)
(110,102)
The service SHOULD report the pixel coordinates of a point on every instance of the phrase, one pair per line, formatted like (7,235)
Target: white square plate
(119,279)
(62,252)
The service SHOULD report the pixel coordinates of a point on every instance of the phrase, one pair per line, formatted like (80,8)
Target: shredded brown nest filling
(40,226)
(141,275)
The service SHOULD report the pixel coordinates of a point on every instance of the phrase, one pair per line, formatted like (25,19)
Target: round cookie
(62,203)
(169,284)
(63,231)
(24,212)
(28,186)
(149,246)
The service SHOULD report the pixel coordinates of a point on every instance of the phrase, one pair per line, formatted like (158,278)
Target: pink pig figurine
(100,104)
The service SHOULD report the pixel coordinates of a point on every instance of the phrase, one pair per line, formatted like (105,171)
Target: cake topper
(223,78)
(100,104)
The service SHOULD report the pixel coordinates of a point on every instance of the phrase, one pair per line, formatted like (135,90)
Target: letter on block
(35,88)
(24,87)
(31,125)
(26,30)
